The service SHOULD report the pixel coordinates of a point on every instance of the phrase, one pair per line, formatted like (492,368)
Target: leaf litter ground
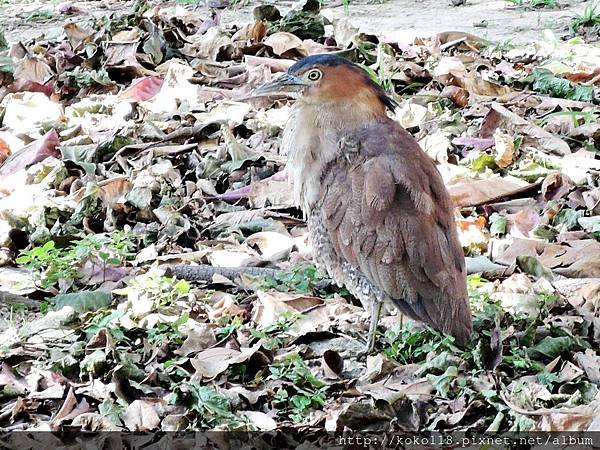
(130,147)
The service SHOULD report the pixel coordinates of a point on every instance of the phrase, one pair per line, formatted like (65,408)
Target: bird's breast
(310,148)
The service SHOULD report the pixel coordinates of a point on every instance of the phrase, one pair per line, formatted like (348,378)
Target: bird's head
(329,79)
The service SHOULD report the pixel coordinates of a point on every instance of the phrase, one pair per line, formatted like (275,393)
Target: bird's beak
(284,84)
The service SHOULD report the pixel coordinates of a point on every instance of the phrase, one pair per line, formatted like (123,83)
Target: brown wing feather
(388,213)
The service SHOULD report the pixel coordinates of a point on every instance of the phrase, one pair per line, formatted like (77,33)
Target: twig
(205,272)
(447,45)
(8,299)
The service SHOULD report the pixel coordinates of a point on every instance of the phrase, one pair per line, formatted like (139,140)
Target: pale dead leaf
(213,361)
(270,306)
(199,336)
(271,246)
(590,363)
(94,422)
(141,415)
(32,68)
(377,366)
(580,418)
(260,420)
(344,31)
(271,193)
(411,115)
(570,372)
(282,42)
(54,392)
(26,110)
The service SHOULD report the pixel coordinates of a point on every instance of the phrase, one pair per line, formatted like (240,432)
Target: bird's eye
(314,75)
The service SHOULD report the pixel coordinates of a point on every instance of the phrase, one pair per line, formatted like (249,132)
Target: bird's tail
(461,324)
(449,317)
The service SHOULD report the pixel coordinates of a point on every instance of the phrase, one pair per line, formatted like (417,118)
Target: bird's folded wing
(390,215)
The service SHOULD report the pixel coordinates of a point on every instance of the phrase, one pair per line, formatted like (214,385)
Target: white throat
(310,139)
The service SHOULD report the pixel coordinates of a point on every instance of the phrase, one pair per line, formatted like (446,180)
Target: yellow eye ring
(314,75)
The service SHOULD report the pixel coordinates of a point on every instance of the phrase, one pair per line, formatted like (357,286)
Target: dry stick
(9,299)
(447,45)
(205,272)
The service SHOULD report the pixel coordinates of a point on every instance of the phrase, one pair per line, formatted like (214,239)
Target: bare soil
(394,19)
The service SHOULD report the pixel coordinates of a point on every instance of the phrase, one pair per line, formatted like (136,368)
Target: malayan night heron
(379,216)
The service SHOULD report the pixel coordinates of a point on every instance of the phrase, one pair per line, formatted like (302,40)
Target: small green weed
(307,391)
(274,334)
(52,264)
(302,279)
(545,82)
(213,409)
(167,332)
(231,324)
(589,18)
(535,3)
(41,15)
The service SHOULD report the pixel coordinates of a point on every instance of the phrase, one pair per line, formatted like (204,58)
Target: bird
(379,217)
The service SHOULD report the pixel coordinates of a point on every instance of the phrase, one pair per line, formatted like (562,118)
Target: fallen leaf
(143,89)
(469,191)
(501,117)
(270,305)
(35,152)
(282,42)
(505,148)
(213,361)
(332,364)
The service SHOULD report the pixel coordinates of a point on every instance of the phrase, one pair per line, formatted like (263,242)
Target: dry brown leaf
(517,247)
(141,415)
(35,69)
(556,186)
(501,117)
(332,364)
(67,406)
(469,191)
(35,152)
(199,336)
(580,418)
(94,422)
(77,34)
(505,148)
(4,151)
(282,42)
(575,259)
(210,363)
(590,363)
(521,223)
(257,31)
(270,305)
(276,65)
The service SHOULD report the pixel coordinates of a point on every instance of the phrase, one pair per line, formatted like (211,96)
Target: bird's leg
(375,313)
